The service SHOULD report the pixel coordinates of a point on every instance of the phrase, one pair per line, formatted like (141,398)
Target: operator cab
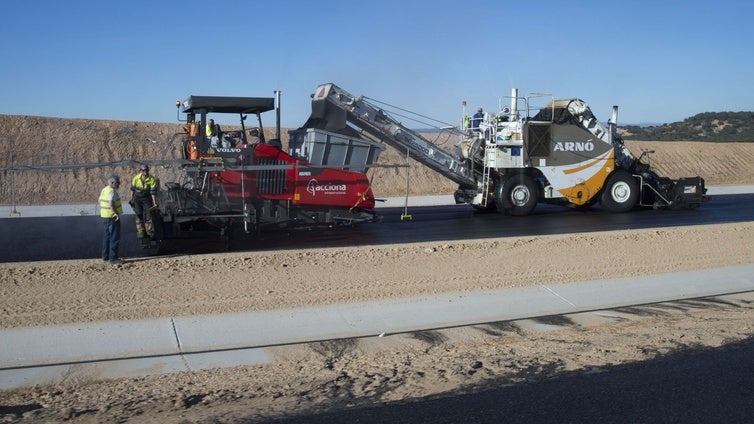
(198,108)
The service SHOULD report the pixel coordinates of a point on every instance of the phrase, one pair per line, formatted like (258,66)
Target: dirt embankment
(37,141)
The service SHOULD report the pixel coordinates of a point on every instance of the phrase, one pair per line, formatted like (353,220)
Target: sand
(346,373)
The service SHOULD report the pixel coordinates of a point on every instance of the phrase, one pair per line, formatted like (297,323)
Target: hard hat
(113,179)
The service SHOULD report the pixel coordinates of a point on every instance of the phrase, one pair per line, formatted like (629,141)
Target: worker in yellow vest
(110,212)
(212,131)
(143,201)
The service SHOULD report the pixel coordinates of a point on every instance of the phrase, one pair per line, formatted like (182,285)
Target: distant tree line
(707,126)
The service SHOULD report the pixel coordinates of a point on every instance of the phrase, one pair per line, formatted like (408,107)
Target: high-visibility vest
(144,187)
(105,211)
(209,130)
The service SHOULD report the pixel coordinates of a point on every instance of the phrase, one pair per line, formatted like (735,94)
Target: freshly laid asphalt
(25,211)
(91,351)
(66,232)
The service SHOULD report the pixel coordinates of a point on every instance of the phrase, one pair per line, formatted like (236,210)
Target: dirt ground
(348,373)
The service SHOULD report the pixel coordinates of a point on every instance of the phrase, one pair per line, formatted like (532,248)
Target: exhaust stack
(277,114)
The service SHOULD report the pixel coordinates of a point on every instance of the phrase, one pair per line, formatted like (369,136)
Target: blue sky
(660,61)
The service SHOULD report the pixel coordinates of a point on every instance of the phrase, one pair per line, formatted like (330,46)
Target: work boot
(117,261)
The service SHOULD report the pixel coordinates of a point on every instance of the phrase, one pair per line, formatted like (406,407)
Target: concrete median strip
(92,351)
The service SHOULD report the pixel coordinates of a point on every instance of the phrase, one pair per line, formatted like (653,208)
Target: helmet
(113,179)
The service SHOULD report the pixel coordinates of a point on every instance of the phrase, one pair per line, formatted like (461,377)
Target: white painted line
(561,297)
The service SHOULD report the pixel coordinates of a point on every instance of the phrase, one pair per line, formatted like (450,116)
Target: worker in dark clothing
(477,119)
(143,201)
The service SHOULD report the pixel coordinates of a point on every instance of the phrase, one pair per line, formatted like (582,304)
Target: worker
(213,133)
(477,119)
(192,150)
(144,201)
(192,129)
(110,211)
(254,136)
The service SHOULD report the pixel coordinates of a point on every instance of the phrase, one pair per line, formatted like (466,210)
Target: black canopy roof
(195,104)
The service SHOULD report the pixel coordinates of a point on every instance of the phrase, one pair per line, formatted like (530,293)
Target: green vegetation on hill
(707,126)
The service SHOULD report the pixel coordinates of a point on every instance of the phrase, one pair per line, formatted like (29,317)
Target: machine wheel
(517,196)
(621,192)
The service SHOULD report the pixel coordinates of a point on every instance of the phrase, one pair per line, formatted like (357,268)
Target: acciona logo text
(313,187)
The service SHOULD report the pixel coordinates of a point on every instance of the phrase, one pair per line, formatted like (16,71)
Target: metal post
(405,214)
(13,211)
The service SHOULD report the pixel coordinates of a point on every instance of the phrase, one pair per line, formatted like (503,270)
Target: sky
(659,61)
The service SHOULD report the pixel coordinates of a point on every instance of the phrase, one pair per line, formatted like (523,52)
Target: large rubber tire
(517,196)
(621,192)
